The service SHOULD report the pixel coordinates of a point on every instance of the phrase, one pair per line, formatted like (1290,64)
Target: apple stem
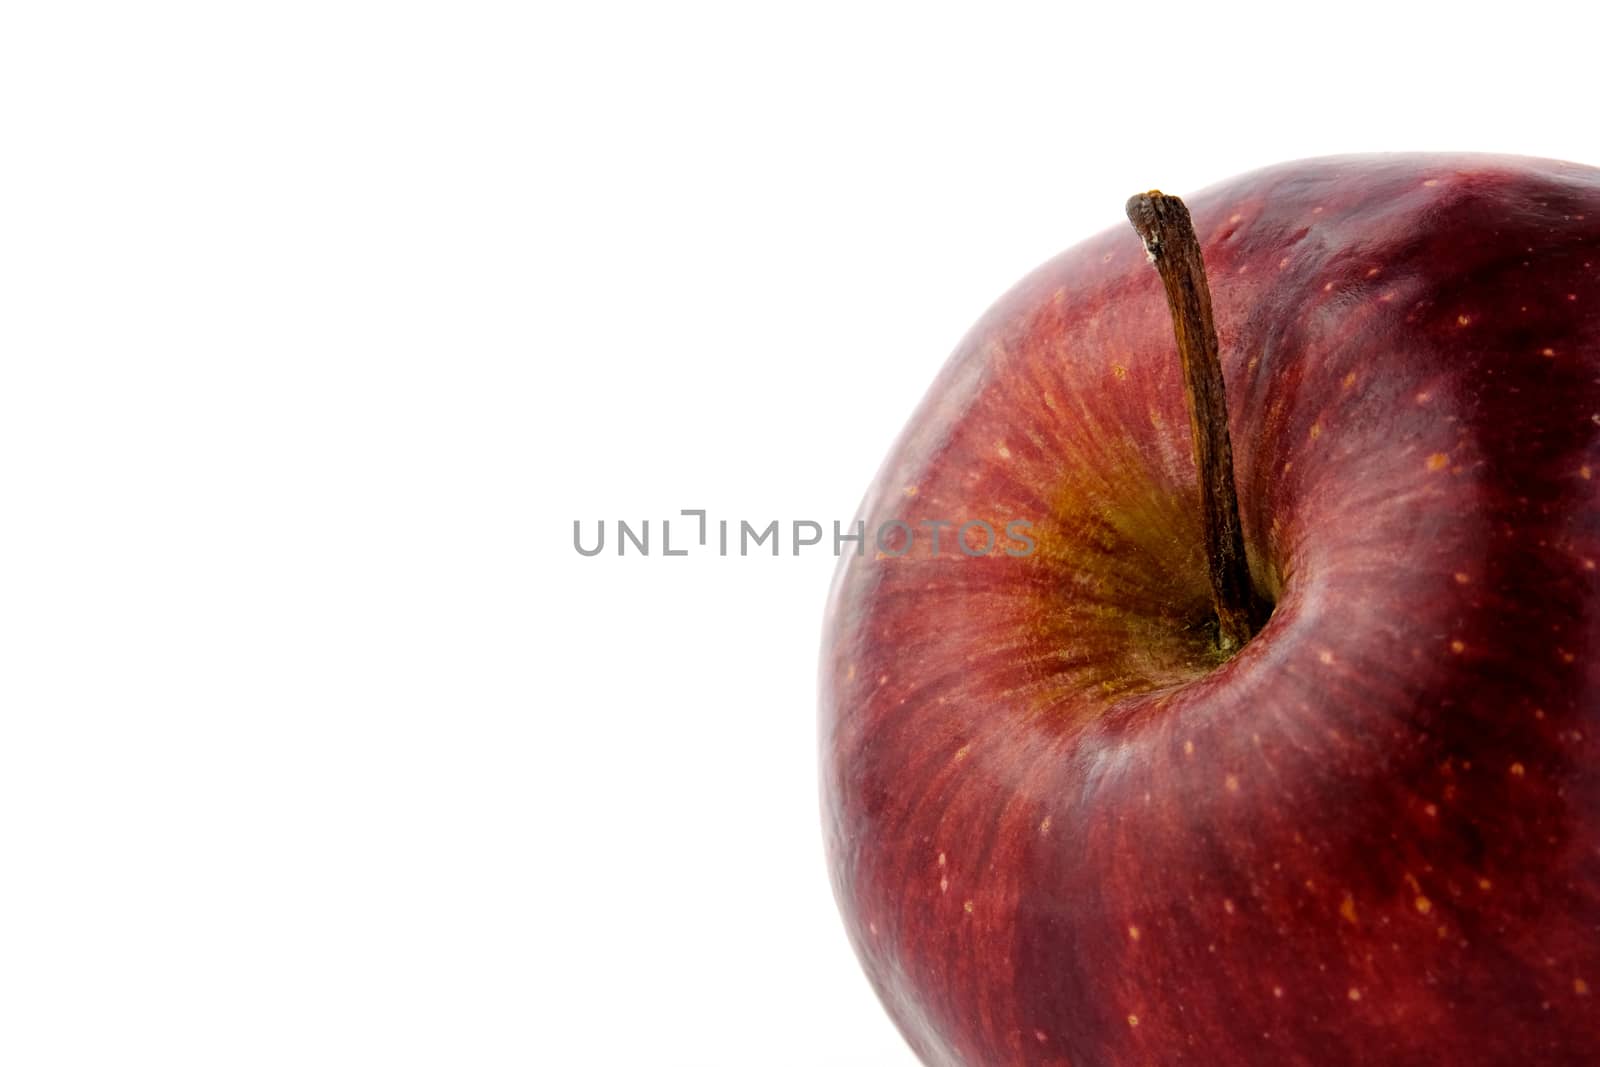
(1163,223)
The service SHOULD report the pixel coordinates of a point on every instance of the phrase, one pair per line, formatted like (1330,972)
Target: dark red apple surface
(1064,829)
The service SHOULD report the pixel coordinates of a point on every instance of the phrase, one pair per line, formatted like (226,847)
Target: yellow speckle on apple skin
(1438,461)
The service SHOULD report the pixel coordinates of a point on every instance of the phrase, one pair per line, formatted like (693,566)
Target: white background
(321,323)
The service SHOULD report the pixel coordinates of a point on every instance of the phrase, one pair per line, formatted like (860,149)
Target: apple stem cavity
(1163,224)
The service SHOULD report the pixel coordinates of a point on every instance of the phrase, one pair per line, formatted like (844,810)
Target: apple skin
(1061,832)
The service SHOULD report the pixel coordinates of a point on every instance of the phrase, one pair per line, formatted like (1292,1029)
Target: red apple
(1065,828)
